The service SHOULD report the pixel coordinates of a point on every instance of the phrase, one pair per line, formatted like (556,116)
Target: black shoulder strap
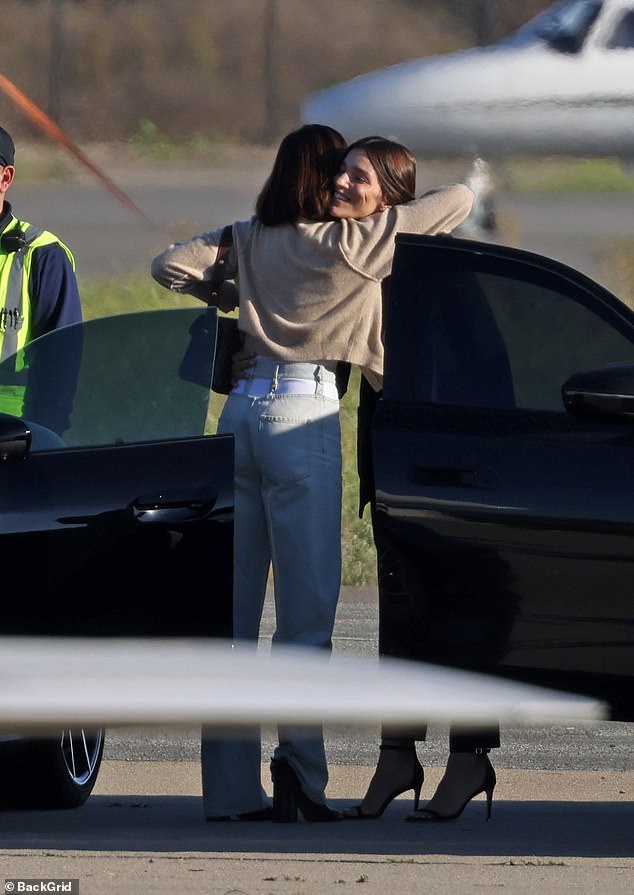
(218,277)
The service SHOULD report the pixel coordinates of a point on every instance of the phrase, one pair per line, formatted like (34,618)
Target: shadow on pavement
(174,824)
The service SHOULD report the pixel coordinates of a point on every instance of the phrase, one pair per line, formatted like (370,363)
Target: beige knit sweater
(312,291)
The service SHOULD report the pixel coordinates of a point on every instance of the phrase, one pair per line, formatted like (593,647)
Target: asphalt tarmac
(142,831)
(563,815)
(178,198)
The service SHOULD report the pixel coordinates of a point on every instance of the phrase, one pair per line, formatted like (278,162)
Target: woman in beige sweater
(310,296)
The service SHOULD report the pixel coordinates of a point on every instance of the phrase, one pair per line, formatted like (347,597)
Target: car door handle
(451,477)
(174,507)
(165,507)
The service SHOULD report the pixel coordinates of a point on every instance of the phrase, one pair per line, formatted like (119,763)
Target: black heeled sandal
(415,783)
(430,815)
(289,797)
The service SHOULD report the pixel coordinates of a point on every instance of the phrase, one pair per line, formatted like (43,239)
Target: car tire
(52,773)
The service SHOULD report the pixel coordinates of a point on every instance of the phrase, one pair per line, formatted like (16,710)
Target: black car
(503,451)
(117,509)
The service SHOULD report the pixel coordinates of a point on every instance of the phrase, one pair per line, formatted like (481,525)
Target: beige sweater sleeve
(187,267)
(368,244)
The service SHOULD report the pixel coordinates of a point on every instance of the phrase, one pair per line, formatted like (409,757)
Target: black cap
(7,149)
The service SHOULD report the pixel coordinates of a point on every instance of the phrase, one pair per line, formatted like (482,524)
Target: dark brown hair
(394,164)
(300,184)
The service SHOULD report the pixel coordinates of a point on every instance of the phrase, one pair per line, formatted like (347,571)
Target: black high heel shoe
(415,782)
(289,797)
(430,815)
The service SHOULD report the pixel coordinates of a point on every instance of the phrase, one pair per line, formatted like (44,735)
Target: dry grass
(618,270)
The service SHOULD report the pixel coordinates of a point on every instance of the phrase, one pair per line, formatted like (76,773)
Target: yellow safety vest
(17,243)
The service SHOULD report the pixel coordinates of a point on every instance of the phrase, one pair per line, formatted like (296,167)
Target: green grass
(567,175)
(359,557)
(617,264)
(106,296)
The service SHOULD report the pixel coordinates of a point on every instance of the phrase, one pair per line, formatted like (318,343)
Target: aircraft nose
(326,108)
(353,108)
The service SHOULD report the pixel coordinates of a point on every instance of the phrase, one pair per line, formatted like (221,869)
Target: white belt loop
(319,384)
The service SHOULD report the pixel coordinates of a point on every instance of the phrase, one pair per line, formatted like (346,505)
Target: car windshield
(114,380)
(564,26)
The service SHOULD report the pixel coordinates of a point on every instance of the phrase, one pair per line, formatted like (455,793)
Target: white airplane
(561,84)
(49,683)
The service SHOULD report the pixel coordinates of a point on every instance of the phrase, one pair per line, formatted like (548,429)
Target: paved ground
(142,832)
(563,815)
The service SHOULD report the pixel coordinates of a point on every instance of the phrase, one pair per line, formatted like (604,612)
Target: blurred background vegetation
(208,70)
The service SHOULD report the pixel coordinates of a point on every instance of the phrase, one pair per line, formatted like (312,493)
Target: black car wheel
(50,773)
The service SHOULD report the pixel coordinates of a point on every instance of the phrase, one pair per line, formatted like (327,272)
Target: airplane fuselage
(530,94)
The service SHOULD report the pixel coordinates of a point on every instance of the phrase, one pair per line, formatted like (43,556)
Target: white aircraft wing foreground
(49,683)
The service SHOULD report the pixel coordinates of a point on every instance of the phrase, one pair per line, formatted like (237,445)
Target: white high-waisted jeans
(288,515)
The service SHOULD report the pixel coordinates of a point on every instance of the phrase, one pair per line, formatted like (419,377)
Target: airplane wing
(48,683)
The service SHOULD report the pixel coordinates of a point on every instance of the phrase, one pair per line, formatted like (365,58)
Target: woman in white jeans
(285,419)
(309,266)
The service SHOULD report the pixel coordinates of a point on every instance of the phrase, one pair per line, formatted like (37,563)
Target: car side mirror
(607,391)
(15,439)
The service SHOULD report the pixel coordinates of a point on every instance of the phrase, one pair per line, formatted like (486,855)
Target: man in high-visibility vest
(38,286)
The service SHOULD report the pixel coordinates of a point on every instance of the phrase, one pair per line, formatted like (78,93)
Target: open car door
(504,469)
(117,509)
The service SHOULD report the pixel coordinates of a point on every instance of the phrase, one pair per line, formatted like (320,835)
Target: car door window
(548,334)
(123,494)
(495,330)
(115,380)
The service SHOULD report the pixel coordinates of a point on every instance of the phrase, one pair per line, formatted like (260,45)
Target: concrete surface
(142,831)
(182,198)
